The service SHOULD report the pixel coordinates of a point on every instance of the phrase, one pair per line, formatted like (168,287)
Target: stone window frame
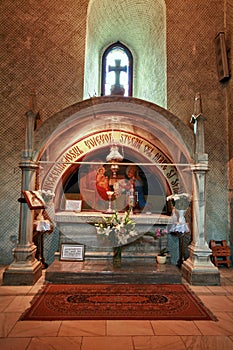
(130,73)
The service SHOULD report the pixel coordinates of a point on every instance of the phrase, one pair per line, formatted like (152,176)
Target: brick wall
(43,48)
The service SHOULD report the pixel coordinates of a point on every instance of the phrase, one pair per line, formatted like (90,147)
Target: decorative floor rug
(117,302)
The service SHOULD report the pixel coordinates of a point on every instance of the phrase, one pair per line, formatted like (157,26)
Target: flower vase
(117,254)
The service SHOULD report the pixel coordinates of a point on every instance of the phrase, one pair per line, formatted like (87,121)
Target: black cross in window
(117,69)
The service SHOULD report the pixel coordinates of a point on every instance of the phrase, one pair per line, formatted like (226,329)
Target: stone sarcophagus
(79,228)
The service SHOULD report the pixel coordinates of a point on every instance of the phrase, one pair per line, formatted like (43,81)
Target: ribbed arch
(140,26)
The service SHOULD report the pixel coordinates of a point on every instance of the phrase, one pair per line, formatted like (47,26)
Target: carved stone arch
(69,135)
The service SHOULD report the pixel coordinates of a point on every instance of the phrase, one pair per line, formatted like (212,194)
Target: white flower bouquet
(118,230)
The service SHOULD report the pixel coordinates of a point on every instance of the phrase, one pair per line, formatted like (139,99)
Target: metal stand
(39,242)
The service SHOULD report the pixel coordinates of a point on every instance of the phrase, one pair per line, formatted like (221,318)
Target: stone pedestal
(23,276)
(198,269)
(25,270)
(129,270)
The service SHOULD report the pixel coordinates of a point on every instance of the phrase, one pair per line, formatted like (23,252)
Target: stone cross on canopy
(117,69)
(198,120)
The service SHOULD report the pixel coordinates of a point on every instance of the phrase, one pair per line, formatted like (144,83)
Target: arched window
(117,66)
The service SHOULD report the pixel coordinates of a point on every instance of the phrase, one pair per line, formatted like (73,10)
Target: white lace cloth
(182,228)
(179,224)
(42,225)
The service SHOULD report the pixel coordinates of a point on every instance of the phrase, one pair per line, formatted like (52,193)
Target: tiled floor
(118,335)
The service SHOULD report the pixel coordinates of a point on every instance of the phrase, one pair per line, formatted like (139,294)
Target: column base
(198,269)
(22,274)
(204,276)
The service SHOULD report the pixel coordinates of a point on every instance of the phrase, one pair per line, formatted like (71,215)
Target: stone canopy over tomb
(76,142)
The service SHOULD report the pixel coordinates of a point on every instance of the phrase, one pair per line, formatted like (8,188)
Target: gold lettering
(52,178)
(157,156)
(175,183)
(75,151)
(171,174)
(99,139)
(123,138)
(148,150)
(90,143)
(48,186)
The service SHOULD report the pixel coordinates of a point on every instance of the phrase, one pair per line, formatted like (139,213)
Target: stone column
(198,268)
(25,269)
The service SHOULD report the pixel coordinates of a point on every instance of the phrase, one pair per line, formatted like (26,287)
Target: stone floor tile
(7,322)
(175,328)
(107,343)
(14,343)
(5,301)
(201,290)
(226,282)
(58,343)
(217,303)
(223,326)
(82,328)
(129,328)
(229,289)
(35,329)
(218,290)
(36,288)
(14,290)
(19,304)
(225,271)
(158,343)
(204,342)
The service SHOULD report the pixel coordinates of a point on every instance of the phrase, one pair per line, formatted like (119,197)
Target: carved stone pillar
(25,269)
(198,268)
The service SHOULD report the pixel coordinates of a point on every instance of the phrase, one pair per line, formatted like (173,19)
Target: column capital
(202,167)
(28,164)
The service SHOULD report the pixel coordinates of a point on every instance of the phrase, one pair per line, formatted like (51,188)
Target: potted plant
(157,235)
(162,256)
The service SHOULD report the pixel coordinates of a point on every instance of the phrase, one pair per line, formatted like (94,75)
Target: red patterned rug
(117,302)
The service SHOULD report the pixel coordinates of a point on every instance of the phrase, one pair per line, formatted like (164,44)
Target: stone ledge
(130,270)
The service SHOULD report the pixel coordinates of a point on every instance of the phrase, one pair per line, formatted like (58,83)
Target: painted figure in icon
(102,183)
(136,182)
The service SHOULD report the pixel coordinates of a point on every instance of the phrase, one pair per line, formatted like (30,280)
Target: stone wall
(43,49)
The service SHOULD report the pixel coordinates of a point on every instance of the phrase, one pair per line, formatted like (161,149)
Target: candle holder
(109,194)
